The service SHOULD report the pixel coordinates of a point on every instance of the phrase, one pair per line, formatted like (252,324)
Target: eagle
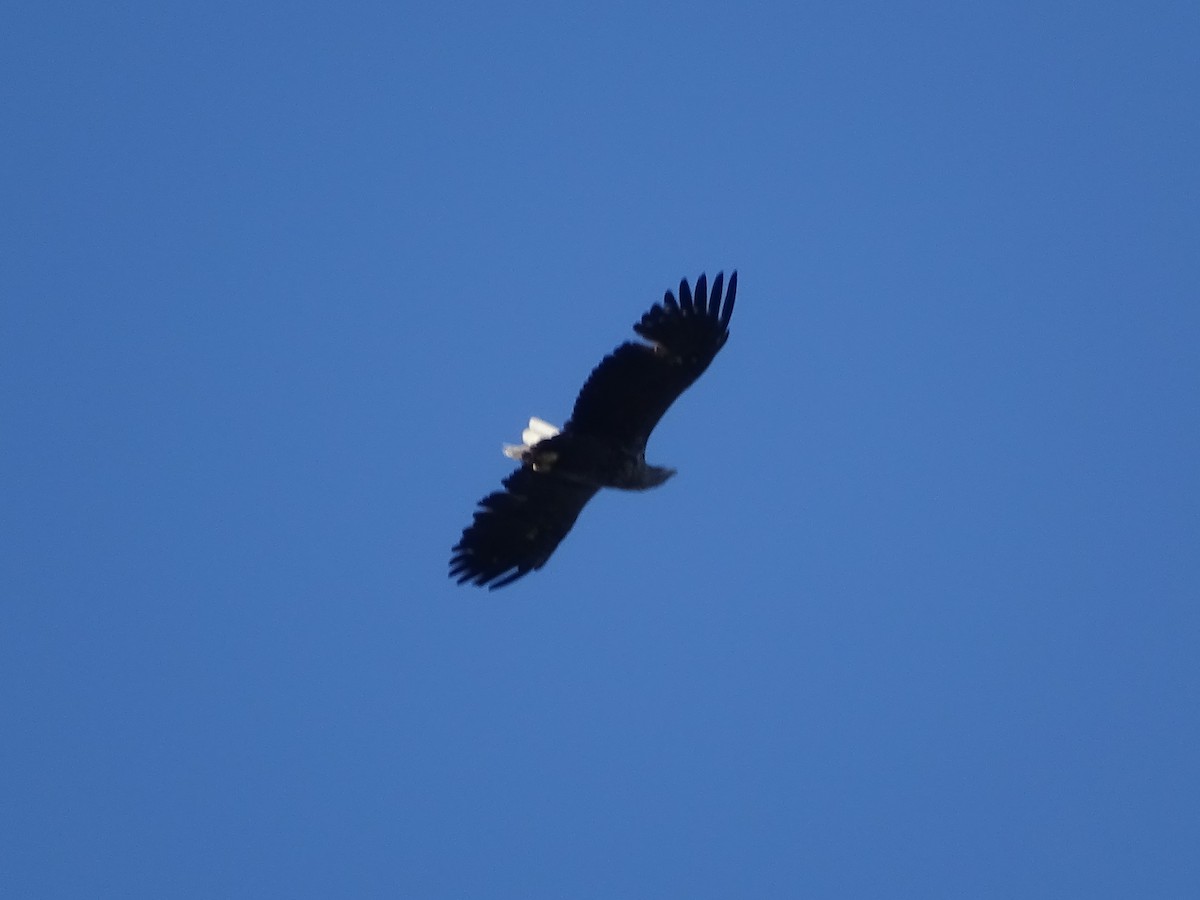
(603,444)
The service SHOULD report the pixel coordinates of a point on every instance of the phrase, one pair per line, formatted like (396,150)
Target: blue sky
(918,616)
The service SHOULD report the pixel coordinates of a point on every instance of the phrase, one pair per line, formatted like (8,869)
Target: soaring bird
(603,444)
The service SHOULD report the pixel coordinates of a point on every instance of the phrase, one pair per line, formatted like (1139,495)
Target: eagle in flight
(603,444)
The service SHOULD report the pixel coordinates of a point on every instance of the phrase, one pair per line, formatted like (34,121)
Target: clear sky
(918,617)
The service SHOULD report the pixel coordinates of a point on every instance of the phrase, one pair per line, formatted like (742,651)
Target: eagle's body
(586,459)
(603,444)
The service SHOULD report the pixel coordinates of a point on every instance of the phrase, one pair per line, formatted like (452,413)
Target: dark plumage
(603,444)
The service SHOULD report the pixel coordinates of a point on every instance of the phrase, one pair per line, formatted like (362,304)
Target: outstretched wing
(629,391)
(516,530)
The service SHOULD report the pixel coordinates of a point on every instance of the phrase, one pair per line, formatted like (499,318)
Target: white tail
(538,430)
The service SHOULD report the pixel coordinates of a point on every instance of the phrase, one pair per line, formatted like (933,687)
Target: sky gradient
(918,615)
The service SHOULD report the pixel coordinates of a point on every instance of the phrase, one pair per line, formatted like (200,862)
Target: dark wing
(629,391)
(516,530)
